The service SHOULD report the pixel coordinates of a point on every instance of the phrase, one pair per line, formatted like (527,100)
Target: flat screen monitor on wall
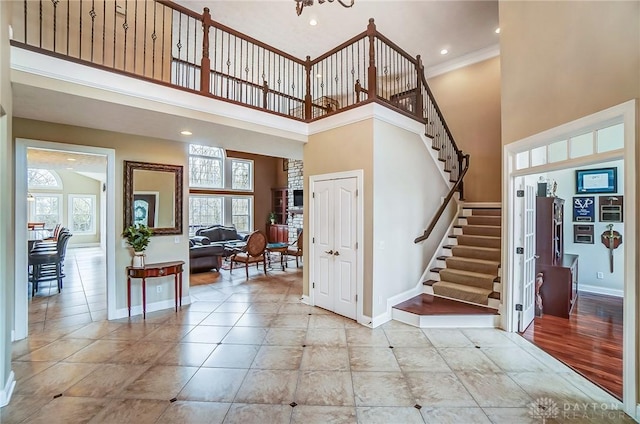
(297,198)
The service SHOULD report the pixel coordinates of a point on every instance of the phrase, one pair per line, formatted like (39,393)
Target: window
(46,208)
(241,213)
(204,211)
(211,178)
(82,213)
(241,178)
(43,178)
(205,166)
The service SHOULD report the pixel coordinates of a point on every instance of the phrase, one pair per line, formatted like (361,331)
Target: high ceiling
(419,26)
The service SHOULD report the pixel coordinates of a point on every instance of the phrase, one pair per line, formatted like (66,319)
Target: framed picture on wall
(603,180)
(584,209)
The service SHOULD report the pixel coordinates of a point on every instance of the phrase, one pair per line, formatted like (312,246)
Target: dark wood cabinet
(278,233)
(560,271)
(549,230)
(280,204)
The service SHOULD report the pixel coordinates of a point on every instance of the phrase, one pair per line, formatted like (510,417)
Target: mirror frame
(129,167)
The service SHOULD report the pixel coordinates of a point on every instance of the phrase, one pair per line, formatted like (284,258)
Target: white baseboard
(306,300)
(447,321)
(367,321)
(151,307)
(380,319)
(7,391)
(600,290)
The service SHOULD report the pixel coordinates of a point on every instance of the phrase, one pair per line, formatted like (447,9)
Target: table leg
(180,287)
(144,298)
(129,295)
(175,289)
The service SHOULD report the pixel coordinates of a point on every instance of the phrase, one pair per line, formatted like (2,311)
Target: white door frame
(20,205)
(625,113)
(358,174)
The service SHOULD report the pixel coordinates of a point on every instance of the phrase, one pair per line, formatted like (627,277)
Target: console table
(160,269)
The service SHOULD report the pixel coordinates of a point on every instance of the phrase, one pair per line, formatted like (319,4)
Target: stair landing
(426,311)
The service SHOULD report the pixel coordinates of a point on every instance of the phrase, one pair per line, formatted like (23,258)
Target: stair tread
(478,236)
(469,273)
(429,282)
(479,226)
(473,260)
(486,249)
(436,269)
(465,288)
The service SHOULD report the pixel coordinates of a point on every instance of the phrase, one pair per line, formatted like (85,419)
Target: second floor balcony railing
(169,44)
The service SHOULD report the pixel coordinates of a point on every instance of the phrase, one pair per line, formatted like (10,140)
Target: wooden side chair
(35,225)
(253,252)
(295,248)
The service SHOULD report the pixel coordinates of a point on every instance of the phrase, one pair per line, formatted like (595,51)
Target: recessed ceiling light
(313,22)
(497,30)
(444,51)
(71,159)
(186,132)
(70,168)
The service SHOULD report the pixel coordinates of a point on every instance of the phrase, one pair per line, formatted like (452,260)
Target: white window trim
(70,199)
(32,205)
(229,204)
(230,161)
(55,175)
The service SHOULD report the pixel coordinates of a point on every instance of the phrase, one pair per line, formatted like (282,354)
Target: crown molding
(462,61)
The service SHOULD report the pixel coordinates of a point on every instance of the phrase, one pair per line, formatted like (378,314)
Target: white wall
(593,258)
(408,190)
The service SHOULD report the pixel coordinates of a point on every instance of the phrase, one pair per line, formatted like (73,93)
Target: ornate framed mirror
(153,196)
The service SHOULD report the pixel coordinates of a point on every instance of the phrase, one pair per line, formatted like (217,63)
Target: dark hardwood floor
(590,341)
(426,304)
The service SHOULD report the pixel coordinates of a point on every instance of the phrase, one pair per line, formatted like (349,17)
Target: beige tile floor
(251,352)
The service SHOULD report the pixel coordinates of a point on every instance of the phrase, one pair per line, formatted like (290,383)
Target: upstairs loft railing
(168,44)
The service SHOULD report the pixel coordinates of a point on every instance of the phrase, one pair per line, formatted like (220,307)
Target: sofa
(207,247)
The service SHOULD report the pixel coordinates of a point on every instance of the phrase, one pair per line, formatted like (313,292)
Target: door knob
(336,253)
(329,252)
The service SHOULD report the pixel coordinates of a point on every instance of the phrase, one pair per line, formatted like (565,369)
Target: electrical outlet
(176,239)
(600,275)
(158,289)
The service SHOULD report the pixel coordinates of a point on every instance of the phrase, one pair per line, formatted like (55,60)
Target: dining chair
(253,252)
(46,264)
(35,225)
(295,248)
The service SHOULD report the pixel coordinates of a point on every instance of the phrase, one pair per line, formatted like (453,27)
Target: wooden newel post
(419,73)
(307,96)
(371,72)
(205,64)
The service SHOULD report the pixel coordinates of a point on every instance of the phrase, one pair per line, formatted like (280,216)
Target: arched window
(43,178)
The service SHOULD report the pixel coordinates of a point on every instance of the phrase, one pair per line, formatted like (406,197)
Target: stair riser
(475,253)
(480,231)
(440,263)
(455,263)
(492,303)
(453,293)
(478,241)
(495,221)
(448,275)
(481,211)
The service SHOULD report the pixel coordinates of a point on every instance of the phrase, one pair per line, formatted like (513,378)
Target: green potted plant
(138,237)
(272,217)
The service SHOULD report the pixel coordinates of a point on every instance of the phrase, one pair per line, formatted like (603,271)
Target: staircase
(469,267)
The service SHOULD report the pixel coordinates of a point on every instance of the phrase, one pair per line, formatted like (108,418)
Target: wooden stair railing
(169,44)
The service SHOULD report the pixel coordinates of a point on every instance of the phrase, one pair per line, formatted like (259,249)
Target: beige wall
(132,148)
(565,60)
(470,102)
(344,149)
(7,268)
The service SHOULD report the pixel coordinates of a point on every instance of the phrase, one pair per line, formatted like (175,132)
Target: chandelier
(300,4)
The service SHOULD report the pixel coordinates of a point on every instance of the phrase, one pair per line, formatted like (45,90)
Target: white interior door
(335,246)
(529,258)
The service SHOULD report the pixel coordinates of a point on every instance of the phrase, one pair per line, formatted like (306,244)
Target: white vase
(138,260)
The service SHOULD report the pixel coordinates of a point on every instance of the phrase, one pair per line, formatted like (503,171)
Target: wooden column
(419,72)
(307,96)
